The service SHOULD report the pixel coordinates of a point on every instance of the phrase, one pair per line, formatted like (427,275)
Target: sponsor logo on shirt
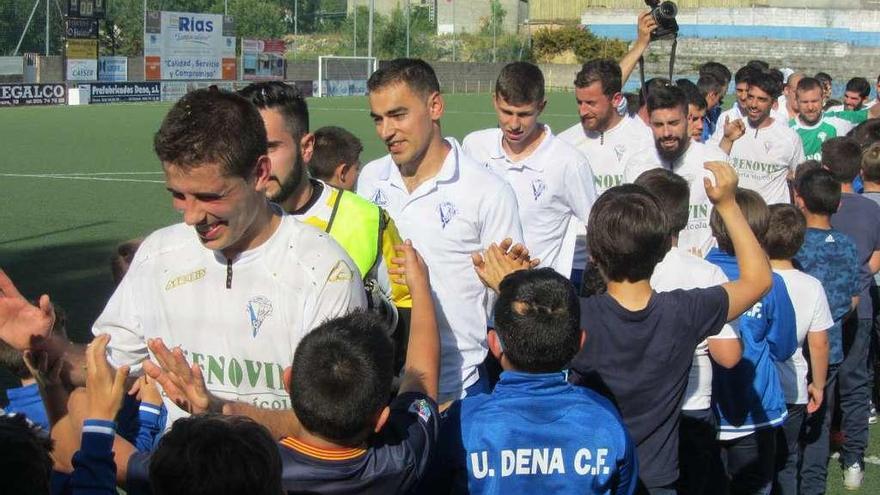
(422,409)
(756,312)
(229,373)
(341,272)
(830,238)
(619,150)
(543,461)
(538,187)
(258,309)
(379,198)
(608,181)
(447,212)
(185,279)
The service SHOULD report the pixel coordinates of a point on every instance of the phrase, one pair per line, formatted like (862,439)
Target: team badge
(258,309)
(340,273)
(822,136)
(447,212)
(538,188)
(619,150)
(767,146)
(379,198)
(422,409)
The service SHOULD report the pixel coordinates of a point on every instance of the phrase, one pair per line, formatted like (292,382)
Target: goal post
(344,76)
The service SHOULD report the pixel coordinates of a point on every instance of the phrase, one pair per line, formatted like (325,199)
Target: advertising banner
(82,48)
(122,92)
(112,69)
(12,95)
(262,60)
(181,45)
(82,69)
(78,28)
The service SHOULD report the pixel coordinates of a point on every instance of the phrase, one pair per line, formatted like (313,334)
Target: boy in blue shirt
(535,433)
(831,257)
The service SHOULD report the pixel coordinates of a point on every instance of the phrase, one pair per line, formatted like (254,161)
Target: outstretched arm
(646,26)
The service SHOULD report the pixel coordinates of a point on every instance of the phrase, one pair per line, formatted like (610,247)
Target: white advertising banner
(114,69)
(182,45)
(82,69)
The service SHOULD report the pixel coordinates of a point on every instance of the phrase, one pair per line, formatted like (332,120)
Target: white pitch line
(75,177)
(366,110)
(98,174)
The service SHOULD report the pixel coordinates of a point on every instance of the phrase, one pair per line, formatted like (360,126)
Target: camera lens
(667,10)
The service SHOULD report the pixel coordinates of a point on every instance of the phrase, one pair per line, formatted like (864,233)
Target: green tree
(255,18)
(391,40)
(13,17)
(496,16)
(547,43)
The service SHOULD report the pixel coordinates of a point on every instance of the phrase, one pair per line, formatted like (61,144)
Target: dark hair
(604,70)
(333,145)
(212,454)
(212,126)
(843,157)
(122,257)
(673,194)
(520,83)
(871,163)
(627,233)
(708,83)
(823,77)
(766,83)
(866,133)
(819,190)
(758,64)
(667,97)
(757,215)
(809,84)
(785,235)
(632,103)
(804,166)
(860,85)
(650,86)
(692,93)
(537,318)
(744,74)
(25,464)
(778,76)
(717,70)
(285,99)
(342,374)
(414,72)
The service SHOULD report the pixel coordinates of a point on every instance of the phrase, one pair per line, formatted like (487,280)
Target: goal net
(344,76)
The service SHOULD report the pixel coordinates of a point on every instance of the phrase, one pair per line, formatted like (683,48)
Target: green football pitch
(76,181)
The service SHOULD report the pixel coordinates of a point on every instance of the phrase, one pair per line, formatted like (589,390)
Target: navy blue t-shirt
(859,219)
(640,360)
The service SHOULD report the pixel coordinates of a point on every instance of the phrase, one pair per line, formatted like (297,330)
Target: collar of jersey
(800,123)
(518,382)
(255,253)
(530,161)
(339,454)
(624,120)
(448,171)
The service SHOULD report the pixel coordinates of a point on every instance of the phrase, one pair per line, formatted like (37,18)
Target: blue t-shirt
(832,258)
(27,400)
(640,361)
(535,433)
(710,121)
(859,219)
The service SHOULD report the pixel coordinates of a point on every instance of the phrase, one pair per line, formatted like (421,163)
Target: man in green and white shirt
(815,126)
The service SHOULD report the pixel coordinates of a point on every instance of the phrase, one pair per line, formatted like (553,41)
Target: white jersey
(241,320)
(682,270)
(697,236)
(461,210)
(607,153)
(764,158)
(728,115)
(811,315)
(553,186)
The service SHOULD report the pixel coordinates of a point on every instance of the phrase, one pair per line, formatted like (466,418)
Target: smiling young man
(239,283)
(449,205)
(674,150)
(551,179)
(767,153)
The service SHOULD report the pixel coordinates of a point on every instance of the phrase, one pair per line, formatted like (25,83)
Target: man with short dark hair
(697,108)
(712,89)
(336,157)
(445,202)
(674,150)
(551,179)
(855,95)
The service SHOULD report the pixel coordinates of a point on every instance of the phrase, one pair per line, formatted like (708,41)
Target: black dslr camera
(664,14)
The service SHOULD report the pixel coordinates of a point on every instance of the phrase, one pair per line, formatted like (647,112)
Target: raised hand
(724,189)
(735,129)
(410,268)
(22,324)
(105,388)
(183,383)
(495,264)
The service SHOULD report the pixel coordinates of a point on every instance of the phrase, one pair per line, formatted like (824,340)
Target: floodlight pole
(370,29)
(26,26)
(355,35)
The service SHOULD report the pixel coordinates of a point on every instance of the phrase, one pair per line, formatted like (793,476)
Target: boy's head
(627,233)
(871,163)
(214,455)
(866,133)
(537,322)
(697,108)
(519,101)
(843,157)
(341,378)
(711,88)
(25,464)
(817,192)
(673,194)
(786,232)
(336,159)
(757,215)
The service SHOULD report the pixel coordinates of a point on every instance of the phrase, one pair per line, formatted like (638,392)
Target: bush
(550,43)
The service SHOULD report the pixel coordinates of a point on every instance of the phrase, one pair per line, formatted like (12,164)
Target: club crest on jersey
(379,198)
(447,213)
(822,136)
(538,187)
(422,409)
(619,150)
(258,309)
(767,146)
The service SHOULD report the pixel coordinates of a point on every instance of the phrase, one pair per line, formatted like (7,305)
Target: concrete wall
(468,15)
